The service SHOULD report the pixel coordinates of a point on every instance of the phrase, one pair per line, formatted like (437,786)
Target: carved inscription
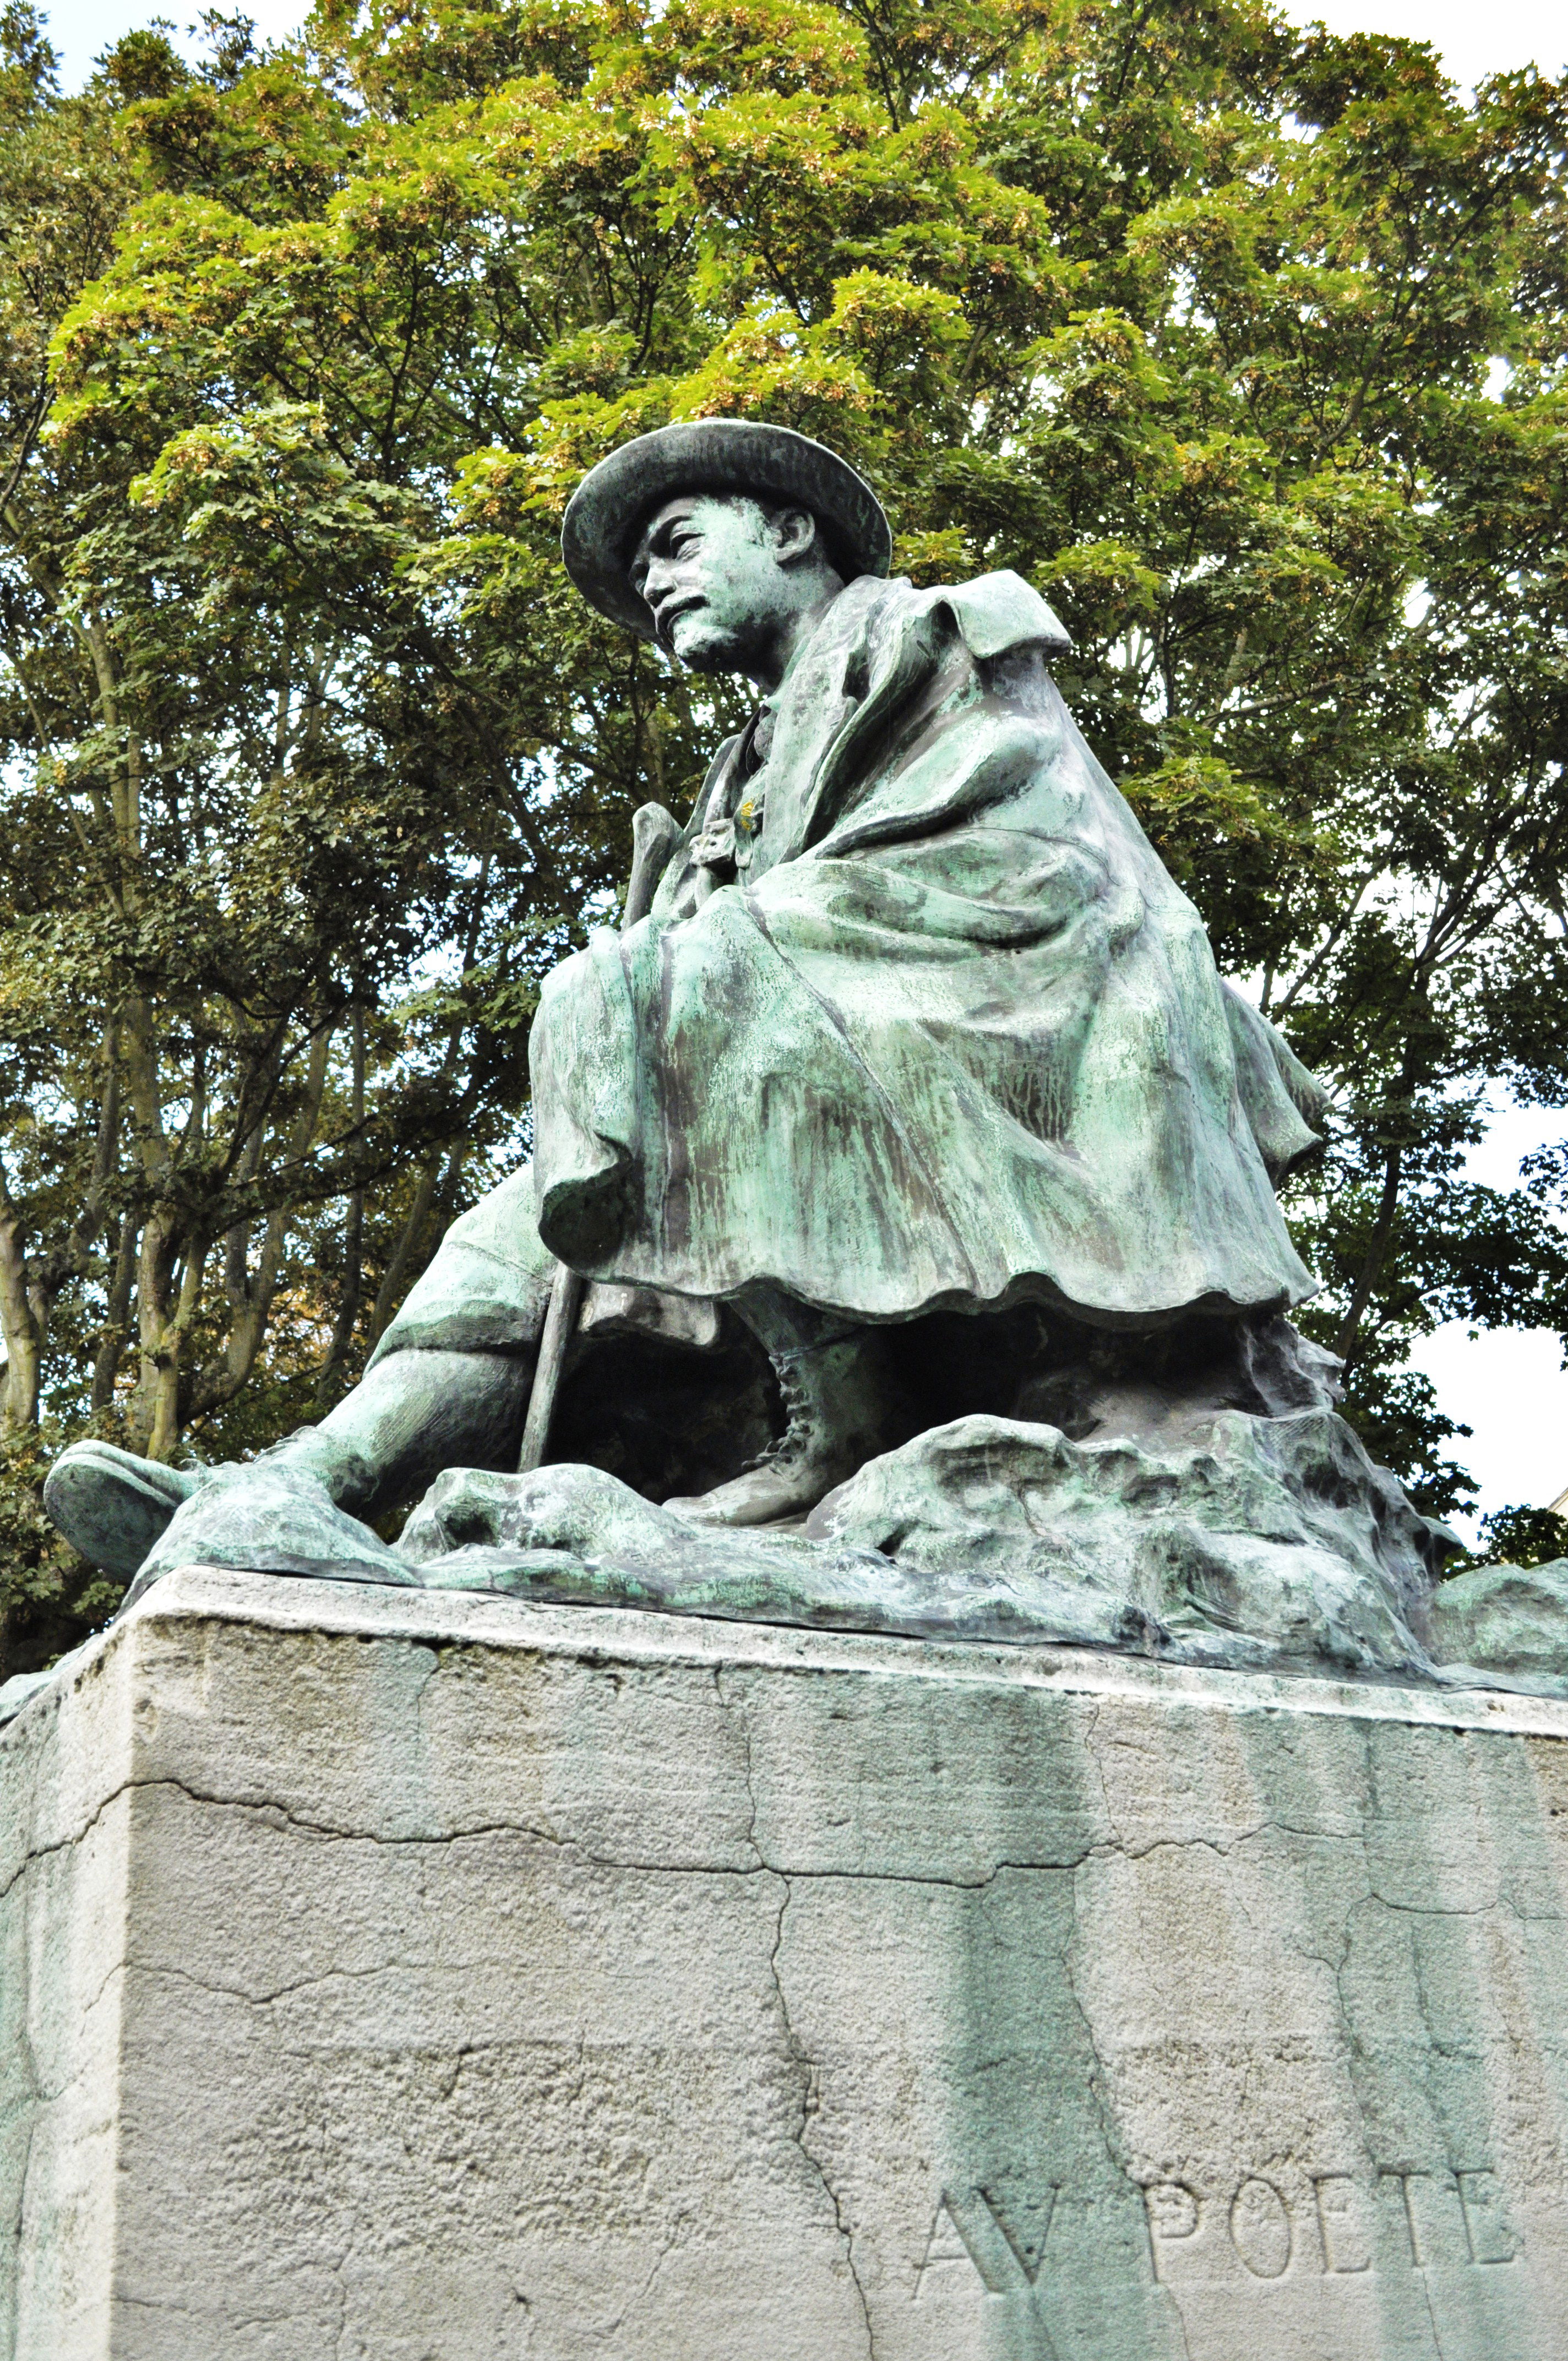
(1004,2244)
(1412,2227)
(1457,2216)
(1489,2236)
(1025,2233)
(1343,2239)
(1260,2229)
(1173,2213)
(1486,2225)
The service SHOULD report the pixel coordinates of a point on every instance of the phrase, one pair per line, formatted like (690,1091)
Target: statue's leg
(844,1402)
(446,1386)
(413,1414)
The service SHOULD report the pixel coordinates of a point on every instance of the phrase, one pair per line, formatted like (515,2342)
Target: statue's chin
(704,646)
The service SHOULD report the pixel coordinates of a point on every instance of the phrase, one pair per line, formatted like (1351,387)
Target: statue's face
(714,574)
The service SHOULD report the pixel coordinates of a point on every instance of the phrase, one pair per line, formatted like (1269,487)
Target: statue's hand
(270,1518)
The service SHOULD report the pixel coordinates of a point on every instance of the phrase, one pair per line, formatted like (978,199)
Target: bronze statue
(908,1090)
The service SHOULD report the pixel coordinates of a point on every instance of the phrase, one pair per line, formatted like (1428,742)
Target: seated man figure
(911,1067)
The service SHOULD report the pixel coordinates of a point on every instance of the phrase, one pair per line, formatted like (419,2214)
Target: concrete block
(388,1976)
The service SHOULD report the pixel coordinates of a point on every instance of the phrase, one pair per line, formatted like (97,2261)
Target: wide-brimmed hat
(713,454)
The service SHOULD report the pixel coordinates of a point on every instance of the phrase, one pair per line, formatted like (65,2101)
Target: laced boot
(843,1409)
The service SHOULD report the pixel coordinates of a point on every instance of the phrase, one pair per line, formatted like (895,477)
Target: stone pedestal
(403,1977)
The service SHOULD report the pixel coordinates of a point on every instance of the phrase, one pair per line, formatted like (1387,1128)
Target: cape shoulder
(996,613)
(893,636)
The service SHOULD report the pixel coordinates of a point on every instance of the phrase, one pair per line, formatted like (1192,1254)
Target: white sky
(1506,1385)
(82,30)
(1474,41)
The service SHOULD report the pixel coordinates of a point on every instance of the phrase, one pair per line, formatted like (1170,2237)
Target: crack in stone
(431,1666)
(743,1722)
(1116,1847)
(1098,2080)
(1093,1751)
(809,2072)
(613,2327)
(283,1815)
(36,1853)
(1431,2317)
(280,1991)
(40,2095)
(37,2098)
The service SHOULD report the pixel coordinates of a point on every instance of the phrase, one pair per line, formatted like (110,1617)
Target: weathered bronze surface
(919,1164)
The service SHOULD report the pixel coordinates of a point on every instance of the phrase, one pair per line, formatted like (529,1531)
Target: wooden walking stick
(654,836)
(567,1292)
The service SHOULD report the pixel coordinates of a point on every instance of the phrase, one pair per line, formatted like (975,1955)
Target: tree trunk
(117,1325)
(387,1294)
(19,1320)
(391,1289)
(155,1418)
(352,1293)
(23,1354)
(1377,1254)
(252,1296)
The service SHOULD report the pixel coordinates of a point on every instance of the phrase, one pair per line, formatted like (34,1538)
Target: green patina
(907,1112)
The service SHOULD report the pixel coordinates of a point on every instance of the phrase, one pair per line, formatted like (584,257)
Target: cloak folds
(951,1038)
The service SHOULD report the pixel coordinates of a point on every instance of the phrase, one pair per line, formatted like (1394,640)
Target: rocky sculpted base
(1261,1542)
(1255,1542)
(393,1975)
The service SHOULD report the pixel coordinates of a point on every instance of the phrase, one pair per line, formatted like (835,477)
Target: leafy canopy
(1245,346)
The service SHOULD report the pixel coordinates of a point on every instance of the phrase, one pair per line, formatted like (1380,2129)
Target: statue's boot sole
(110,1505)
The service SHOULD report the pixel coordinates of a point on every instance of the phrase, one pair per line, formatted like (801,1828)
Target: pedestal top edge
(645,1637)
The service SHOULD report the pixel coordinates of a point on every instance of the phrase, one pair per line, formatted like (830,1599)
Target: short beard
(709,648)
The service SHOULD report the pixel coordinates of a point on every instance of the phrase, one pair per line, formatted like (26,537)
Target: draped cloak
(952,1038)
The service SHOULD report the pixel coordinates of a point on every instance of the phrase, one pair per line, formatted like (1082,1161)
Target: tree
(1245,346)
(1522,1536)
(236,821)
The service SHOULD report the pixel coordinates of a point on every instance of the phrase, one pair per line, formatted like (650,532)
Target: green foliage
(50,1597)
(1520,1536)
(1246,345)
